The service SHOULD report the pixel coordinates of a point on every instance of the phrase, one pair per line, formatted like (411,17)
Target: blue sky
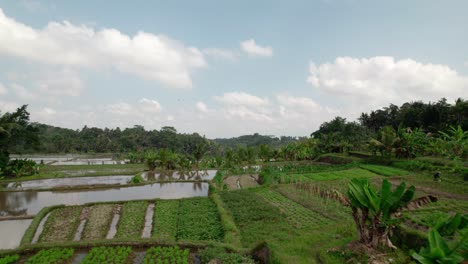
(227,68)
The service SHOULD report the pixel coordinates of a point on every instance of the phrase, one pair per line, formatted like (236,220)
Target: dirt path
(432,191)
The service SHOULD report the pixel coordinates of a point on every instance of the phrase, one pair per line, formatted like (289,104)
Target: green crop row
(296,214)
(114,255)
(132,220)
(165,219)
(344,174)
(53,255)
(173,255)
(10,259)
(61,224)
(199,220)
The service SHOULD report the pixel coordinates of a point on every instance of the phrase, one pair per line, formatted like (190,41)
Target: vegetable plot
(114,255)
(61,224)
(98,222)
(165,219)
(53,255)
(132,220)
(10,259)
(173,255)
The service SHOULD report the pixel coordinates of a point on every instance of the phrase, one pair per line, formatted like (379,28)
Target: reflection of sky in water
(77,181)
(181,176)
(12,231)
(31,202)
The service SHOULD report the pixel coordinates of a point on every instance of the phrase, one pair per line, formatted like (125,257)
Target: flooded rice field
(31,202)
(79,161)
(179,176)
(66,182)
(13,230)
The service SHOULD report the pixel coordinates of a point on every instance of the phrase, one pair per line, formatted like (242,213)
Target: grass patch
(231,232)
(115,255)
(165,219)
(132,220)
(173,255)
(99,219)
(53,255)
(61,224)
(199,220)
(384,170)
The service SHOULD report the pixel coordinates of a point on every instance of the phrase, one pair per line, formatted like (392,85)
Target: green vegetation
(165,219)
(199,220)
(336,175)
(231,232)
(384,170)
(9,259)
(98,221)
(115,255)
(53,255)
(173,255)
(61,224)
(132,220)
(221,255)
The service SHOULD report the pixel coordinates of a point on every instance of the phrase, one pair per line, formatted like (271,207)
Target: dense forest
(406,130)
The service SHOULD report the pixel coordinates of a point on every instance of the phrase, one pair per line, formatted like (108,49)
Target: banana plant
(373,210)
(439,251)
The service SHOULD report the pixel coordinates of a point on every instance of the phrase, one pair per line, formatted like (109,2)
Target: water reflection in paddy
(75,181)
(31,202)
(12,231)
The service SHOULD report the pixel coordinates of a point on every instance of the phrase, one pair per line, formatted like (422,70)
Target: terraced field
(61,224)
(165,220)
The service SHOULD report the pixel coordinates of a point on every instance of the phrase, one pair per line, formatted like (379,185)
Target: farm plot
(344,174)
(61,224)
(199,220)
(309,196)
(165,220)
(53,255)
(114,255)
(98,221)
(9,259)
(173,255)
(296,214)
(384,170)
(257,219)
(132,220)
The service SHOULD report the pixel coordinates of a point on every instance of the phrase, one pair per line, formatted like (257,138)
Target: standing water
(12,231)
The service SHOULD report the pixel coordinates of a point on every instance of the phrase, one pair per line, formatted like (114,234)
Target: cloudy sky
(227,68)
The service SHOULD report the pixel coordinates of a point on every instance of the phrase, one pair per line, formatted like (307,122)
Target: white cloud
(241,98)
(367,83)
(202,107)
(8,106)
(3,89)
(221,54)
(253,49)
(23,93)
(149,106)
(149,56)
(60,82)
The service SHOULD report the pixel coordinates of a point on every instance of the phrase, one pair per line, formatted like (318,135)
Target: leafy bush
(20,167)
(53,255)
(10,259)
(115,255)
(173,255)
(136,179)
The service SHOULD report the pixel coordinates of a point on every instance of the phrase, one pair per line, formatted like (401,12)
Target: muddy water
(75,181)
(31,202)
(39,229)
(179,176)
(113,227)
(79,231)
(12,231)
(87,162)
(148,221)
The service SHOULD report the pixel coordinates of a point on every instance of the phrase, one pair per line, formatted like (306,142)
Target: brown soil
(242,181)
